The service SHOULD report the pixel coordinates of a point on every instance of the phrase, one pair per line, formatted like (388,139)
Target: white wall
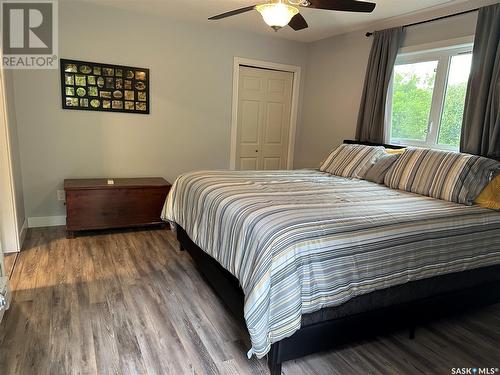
(335,76)
(334,84)
(191,88)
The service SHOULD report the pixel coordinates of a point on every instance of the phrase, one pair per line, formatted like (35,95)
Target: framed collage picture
(93,86)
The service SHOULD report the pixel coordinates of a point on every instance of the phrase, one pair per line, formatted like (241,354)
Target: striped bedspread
(302,240)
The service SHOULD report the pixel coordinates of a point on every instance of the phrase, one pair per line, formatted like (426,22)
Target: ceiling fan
(279,13)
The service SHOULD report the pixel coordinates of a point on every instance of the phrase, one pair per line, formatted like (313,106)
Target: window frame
(442,53)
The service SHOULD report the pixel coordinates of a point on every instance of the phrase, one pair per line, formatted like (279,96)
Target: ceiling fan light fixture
(277,15)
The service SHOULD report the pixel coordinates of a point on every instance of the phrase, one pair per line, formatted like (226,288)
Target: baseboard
(46,221)
(10,252)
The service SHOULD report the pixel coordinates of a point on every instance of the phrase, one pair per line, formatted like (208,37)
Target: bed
(311,260)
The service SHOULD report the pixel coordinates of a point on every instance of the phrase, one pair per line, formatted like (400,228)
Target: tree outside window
(427,98)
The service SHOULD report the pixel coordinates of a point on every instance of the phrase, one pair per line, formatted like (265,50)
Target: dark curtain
(481,122)
(370,127)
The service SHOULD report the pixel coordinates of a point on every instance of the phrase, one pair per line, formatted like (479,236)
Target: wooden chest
(128,202)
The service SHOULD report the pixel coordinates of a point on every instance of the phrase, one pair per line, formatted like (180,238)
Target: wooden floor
(130,303)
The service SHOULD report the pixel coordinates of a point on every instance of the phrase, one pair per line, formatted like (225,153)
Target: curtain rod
(434,19)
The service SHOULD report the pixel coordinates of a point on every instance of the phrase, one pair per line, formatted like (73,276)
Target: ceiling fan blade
(298,22)
(342,5)
(232,13)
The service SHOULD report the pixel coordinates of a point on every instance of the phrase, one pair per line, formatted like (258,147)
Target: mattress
(302,241)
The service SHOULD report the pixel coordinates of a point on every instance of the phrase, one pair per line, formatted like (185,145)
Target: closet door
(264,102)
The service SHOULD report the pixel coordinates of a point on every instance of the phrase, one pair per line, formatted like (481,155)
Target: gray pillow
(351,160)
(378,170)
(447,175)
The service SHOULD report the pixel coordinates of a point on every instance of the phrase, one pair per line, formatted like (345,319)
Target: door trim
(9,228)
(238,61)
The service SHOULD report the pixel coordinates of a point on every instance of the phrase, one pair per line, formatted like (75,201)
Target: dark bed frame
(326,334)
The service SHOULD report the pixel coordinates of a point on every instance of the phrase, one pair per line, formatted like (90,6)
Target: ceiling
(322,23)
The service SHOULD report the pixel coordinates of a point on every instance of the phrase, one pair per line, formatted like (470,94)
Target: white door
(9,229)
(264,103)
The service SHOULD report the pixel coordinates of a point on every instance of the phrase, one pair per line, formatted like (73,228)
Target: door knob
(256,150)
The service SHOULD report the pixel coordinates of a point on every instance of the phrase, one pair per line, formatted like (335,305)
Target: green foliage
(453,111)
(411,105)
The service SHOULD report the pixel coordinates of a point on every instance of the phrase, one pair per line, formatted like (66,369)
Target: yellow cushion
(490,196)
(395,151)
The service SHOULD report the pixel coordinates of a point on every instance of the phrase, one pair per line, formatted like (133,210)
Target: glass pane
(453,110)
(413,85)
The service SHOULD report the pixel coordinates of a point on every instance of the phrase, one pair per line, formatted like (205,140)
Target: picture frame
(92,86)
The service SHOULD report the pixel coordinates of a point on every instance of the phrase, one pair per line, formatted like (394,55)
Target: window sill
(422,144)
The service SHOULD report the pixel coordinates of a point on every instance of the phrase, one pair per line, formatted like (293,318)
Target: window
(426,98)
